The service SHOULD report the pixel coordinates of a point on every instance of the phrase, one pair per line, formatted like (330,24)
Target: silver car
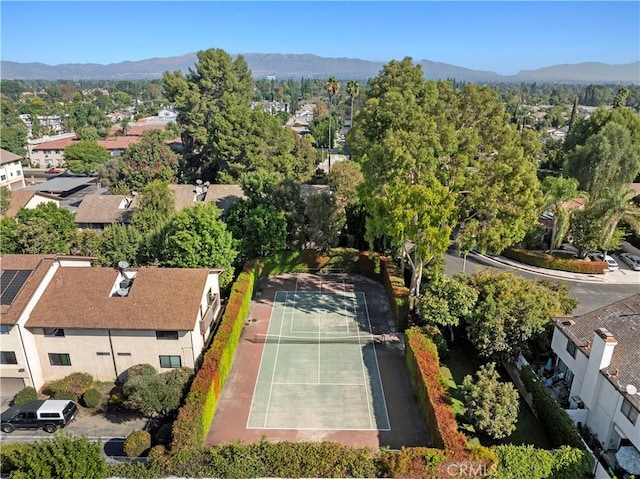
(632,260)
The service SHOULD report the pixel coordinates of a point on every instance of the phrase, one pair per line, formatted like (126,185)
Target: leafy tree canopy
(510,311)
(491,405)
(196,237)
(148,160)
(84,156)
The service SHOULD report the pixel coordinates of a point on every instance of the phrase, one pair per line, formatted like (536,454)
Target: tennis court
(319,369)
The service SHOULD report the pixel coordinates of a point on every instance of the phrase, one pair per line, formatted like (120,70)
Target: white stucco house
(61,315)
(599,355)
(11,174)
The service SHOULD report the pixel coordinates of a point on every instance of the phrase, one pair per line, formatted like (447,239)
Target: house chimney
(600,356)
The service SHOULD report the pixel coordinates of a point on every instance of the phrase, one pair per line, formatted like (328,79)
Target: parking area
(107,427)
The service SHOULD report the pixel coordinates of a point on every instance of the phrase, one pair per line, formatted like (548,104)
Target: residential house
(96,212)
(46,152)
(598,357)
(62,319)
(28,199)
(24,279)
(11,174)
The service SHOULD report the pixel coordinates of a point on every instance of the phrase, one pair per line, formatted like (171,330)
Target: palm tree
(353,90)
(615,206)
(332,86)
(557,190)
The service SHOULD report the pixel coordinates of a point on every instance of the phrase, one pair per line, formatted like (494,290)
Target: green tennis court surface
(319,368)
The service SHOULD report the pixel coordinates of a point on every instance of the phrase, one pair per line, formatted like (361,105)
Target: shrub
(137,443)
(424,367)
(12,455)
(164,434)
(559,426)
(25,395)
(71,387)
(92,398)
(515,462)
(141,370)
(548,261)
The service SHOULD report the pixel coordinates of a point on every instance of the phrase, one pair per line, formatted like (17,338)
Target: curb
(493,260)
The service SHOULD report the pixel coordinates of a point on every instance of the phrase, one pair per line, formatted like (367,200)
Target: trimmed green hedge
(424,367)
(557,423)
(547,261)
(194,418)
(517,462)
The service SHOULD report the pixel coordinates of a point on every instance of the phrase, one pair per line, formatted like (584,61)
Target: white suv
(613,265)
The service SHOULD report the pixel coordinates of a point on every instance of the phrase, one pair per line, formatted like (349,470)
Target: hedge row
(547,261)
(516,462)
(557,423)
(424,367)
(195,416)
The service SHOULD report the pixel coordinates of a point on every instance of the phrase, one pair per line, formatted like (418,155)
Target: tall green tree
(121,243)
(260,228)
(325,221)
(435,159)
(43,230)
(196,237)
(557,190)
(84,156)
(615,206)
(609,158)
(148,160)
(333,87)
(14,131)
(353,90)
(344,180)
(490,404)
(208,97)
(511,312)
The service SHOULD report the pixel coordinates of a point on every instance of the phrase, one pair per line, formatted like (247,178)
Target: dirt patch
(407,422)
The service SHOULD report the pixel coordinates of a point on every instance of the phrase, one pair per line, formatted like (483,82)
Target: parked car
(46,414)
(613,264)
(53,171)
(632,260)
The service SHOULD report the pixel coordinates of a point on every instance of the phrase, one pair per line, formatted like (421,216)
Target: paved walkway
(624,275)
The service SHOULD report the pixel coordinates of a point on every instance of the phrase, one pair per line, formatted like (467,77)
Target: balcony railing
(210,315)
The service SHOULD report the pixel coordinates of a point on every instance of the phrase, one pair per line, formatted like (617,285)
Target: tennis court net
(324,339)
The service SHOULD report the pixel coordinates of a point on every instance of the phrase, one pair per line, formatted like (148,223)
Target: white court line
(264,348)
(316,384)
(375,356)
(318,429)
(275,361)
(364,378)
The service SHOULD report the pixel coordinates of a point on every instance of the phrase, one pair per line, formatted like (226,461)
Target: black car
(46,414)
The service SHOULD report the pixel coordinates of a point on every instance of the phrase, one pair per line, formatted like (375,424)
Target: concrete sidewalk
(624,275)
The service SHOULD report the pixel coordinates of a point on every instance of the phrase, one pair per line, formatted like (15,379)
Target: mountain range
(284,66)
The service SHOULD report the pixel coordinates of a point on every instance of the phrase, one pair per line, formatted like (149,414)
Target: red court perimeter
(406,420)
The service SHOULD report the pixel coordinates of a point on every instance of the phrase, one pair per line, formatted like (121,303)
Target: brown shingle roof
(39,264)
(105,209)
(8,157)
(159,299)
(622,319)
(60,144)
(224,195)
(20,198)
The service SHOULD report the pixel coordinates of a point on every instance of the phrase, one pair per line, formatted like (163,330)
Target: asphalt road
(590,295)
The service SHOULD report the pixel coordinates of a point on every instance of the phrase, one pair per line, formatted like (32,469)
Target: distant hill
(312,66)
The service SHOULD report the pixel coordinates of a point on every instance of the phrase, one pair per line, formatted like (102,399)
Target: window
(5,328)
(8,357)
(629,411)
(170,361)
(124,354)
(166,334)
(59,359)
(3,177)
(571,348)
(54,332)
(99,353)
(209,297)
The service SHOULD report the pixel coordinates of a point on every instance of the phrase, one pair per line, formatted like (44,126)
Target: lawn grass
(460,361)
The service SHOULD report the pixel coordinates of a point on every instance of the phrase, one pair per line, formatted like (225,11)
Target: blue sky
(504,37)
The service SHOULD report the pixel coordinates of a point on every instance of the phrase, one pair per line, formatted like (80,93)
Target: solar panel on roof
(11,282)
